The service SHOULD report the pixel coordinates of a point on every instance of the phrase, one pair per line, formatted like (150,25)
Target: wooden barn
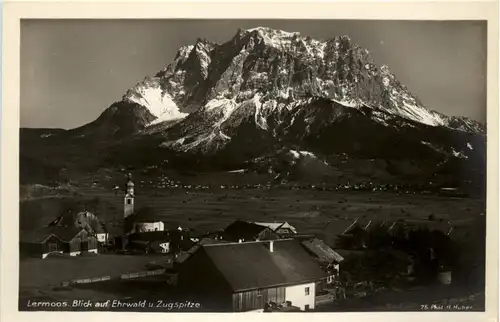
(77,240)
(248,231)
(85,220)
(40,243)
(48,240)
(252,276)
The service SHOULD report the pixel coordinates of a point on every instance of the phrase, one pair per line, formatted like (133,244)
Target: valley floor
(323,213)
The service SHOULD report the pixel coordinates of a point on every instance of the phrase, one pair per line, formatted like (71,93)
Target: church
(138,221)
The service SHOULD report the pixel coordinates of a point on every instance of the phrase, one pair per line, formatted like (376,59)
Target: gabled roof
(66,234)
(35,236)
(322,251)
(356,227)
(150,236)
(251,265)
(82,219)
(277,225)
(244,230)
(205,241)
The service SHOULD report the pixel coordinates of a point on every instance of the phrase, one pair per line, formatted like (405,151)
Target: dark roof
(252,265)
(243,230)
(205,241)
(356,229)
(35,236)
(321,250)
(83,219)
(39,235)
(66,233)
(150,236)
(146,215)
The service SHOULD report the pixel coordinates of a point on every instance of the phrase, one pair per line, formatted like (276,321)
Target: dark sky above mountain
(72,70)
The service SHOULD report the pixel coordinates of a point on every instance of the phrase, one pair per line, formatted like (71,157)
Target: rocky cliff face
(267,75)
(266,90)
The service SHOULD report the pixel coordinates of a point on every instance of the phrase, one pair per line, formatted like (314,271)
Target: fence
(142,274)
(108,278)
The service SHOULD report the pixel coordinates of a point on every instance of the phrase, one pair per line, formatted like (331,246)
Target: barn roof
(205,241)
(244,230)
(277,225)
(324,252)
(40,234)
(66,233)
(35,236)
(82,219)
(252,265)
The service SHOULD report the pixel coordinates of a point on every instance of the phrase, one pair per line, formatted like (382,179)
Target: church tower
(128,204)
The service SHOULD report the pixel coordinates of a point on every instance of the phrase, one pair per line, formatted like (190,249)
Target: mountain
(220,106)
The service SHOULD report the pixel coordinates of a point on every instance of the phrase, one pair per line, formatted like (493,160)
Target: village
(252,266)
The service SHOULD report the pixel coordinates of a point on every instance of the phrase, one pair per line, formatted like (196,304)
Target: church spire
(129,197)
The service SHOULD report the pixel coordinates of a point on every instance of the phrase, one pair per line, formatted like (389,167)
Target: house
(328,258)
(63,240)
(283,229)
(252,276)
(247,231)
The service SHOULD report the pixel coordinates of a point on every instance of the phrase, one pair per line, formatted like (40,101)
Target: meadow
(324,213)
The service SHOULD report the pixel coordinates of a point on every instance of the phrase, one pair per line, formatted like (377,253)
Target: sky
(72,70)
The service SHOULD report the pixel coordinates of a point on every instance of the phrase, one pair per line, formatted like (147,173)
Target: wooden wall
(199,278)
(257,299)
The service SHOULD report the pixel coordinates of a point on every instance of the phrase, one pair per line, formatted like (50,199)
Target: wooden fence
(108,278)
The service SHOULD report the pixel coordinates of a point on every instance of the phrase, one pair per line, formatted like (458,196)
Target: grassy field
(53,271)
(325,213)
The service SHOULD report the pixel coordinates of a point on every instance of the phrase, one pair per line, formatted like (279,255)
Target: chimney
(271,246)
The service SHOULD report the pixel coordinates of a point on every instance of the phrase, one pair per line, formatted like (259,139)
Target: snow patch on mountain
(159,103)
(259,119)
(458,154)
(297,154)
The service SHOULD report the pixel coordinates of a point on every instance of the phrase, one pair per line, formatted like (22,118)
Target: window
(129,201)
(259,292)
(307,290)
(307,307)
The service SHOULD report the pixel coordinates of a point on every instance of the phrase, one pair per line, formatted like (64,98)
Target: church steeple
(129,197)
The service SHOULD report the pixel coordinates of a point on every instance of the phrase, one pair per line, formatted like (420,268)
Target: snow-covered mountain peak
(266,73)
(273,33)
